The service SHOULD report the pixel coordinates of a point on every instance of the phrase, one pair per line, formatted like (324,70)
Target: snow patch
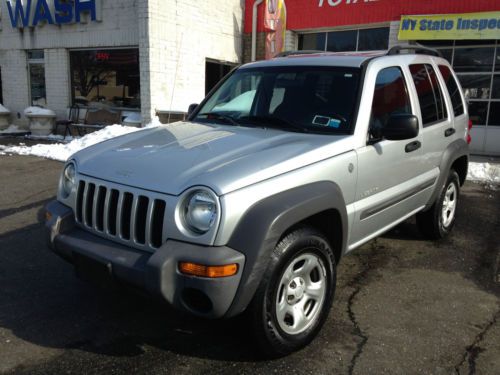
(484,172)
(3,110)
(38,111)
(12,129)
(63,151)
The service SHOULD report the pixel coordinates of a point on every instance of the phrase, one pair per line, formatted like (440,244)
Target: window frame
(408,94)
(458,85)
(438,121)
(36,61)
(102,49)
(357,30)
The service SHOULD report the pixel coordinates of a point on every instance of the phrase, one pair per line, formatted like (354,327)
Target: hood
(174,157)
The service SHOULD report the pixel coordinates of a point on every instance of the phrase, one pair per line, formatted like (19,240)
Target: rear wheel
(438,221)
(296,293)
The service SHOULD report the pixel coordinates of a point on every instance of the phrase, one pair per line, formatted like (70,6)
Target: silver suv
(285,167)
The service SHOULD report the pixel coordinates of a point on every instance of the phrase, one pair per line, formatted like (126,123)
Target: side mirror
(192,108)
(400,126)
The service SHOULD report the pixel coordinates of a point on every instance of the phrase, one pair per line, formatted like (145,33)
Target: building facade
(466,32)
(144,56)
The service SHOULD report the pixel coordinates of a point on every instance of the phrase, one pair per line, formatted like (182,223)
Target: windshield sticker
(321,120)
(326,121)
(334,123)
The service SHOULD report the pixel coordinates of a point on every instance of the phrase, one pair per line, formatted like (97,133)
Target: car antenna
(175,77)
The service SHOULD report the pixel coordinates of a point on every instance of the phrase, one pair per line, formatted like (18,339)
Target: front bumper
(156,273)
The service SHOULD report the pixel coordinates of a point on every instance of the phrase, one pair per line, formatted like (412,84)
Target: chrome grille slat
(133,214)
(84,205)
(94,207)
(126,215)
(149,216)
(106,210)
(119,214)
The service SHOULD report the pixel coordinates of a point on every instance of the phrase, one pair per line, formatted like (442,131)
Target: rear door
(438,130)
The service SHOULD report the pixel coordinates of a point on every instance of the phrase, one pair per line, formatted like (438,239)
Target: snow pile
(133,117)
(38,111)
(12,129)
(62,151)
(484,172)
(3,110)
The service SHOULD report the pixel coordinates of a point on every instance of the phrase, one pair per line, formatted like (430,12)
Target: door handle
(413,146)
(448,132)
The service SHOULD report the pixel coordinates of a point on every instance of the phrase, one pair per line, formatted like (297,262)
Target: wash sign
(32,13)
(484,25)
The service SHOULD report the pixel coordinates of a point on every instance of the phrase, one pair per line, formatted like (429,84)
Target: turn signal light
(194,269)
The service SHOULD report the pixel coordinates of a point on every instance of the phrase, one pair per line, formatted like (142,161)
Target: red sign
(102,56)
(314,14)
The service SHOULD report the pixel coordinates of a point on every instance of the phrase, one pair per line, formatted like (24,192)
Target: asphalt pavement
(403,305)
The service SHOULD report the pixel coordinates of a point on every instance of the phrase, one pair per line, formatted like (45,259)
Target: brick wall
(14,76)
(57,80)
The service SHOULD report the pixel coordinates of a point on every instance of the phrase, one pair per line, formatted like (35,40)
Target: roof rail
(293,53)
(416,48)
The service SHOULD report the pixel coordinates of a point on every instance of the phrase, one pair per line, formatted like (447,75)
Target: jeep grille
(120,214)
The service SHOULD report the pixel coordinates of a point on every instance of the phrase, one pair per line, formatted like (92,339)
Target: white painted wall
(176,38)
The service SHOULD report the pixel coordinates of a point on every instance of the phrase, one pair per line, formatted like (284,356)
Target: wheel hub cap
(449,205)
(296,290)
(301,293)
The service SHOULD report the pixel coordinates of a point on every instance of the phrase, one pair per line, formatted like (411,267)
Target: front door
(391,178)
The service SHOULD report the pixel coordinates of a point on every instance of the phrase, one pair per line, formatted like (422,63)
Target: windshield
(294,98)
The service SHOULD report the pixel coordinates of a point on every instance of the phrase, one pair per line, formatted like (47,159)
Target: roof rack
(294,53)
(416,48)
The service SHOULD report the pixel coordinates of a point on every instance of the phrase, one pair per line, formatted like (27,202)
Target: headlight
(200,211)
(68,179)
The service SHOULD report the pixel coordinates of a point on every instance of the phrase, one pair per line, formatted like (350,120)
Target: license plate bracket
(94,271)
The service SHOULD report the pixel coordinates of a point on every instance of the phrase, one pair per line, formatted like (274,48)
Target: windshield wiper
(275,122)
(220,116)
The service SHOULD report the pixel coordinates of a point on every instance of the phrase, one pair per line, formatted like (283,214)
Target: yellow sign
(484,25)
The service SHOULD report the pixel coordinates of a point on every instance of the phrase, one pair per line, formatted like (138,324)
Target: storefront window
(348,40)
(373,39)
(473,59)
(106,77)
(36,70)
(342,41)
(476,86)
(314,42)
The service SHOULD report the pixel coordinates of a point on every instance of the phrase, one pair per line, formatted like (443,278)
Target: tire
(438,221)
(300,279)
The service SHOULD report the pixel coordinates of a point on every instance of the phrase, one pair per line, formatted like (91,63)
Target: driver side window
(390,97)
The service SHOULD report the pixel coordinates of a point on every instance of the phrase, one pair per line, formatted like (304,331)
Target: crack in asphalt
(473,350)
(367,266)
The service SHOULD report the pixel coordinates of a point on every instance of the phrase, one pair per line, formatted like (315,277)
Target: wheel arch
(320,204)
(456,155)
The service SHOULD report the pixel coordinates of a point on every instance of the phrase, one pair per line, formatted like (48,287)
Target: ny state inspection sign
(485,25)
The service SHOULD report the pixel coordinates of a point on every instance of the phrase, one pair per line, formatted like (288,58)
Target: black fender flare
(262,226)
(454,151)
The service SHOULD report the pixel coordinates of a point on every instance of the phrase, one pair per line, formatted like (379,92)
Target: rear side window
(430,96)
(390,97)
(453,90)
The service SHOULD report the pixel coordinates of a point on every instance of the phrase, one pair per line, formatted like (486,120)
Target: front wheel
(296,293)
(438,221)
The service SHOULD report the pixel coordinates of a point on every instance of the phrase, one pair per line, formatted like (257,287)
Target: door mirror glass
(192,108)
(400,126)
